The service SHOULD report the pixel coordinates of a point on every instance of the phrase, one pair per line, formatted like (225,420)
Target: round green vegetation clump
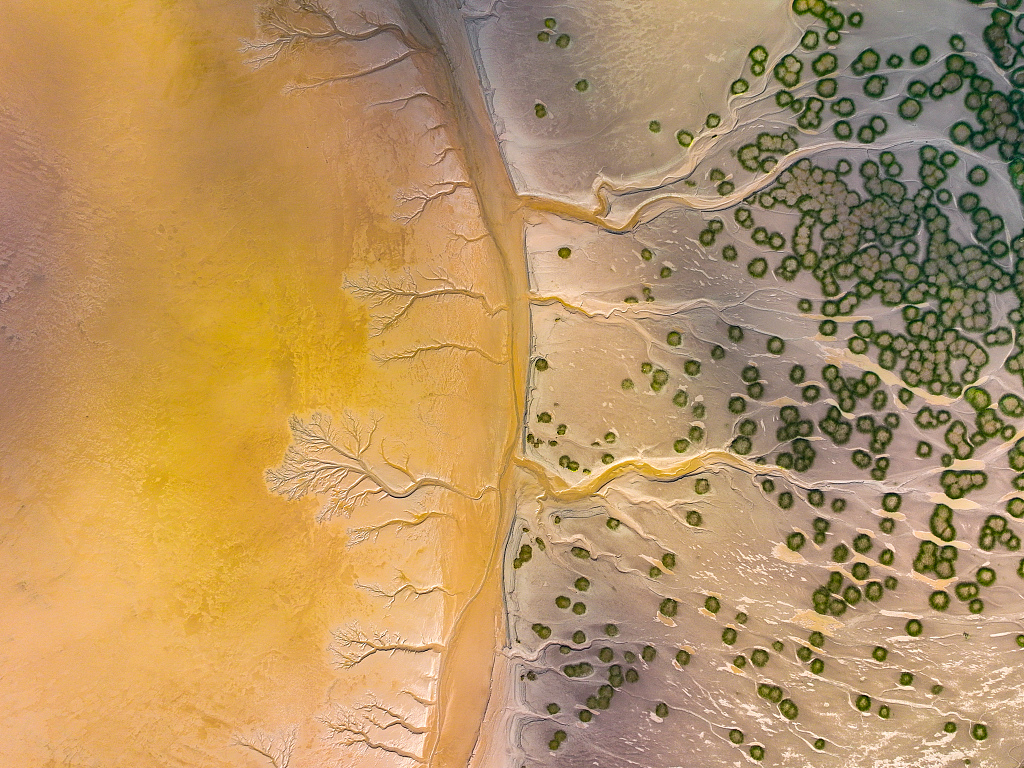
(661,710)
(540,110)
(563,602)
(542,631)
(949,727)
(712,605)
(804,653)
(564,252)
(562,41)
(611,630)
(654,126)
(648,654)
(757,752)
(685,138)
(939,600)
(553,709)
(736,736)
(579,637)
(880,653)
(914,628)
(862,543)
(862,702)
(682,657)
(884,712)
(986,576)
(759,657)
(681,445)
(582,85)
(979,732)
(817,667)
(817,639)
(776,346)
(580,552)
(906,678)
(702,486)
(729,636)
(668,607)
(674,338)
(606,655)
(795,541)
(579,608)
(692,367)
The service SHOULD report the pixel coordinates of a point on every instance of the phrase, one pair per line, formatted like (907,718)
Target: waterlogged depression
(774,412)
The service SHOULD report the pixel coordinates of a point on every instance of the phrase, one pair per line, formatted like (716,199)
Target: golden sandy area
(177,228)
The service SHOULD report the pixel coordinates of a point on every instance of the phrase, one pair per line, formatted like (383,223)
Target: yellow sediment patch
(175,294)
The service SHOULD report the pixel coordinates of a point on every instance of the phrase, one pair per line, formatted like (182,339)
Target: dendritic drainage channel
(777,414)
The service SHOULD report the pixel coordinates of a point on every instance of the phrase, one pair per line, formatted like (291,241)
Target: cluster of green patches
(763,155)
(958,483)
(788,70)
(1011,405)
(832,17)
(936,560)
(582,669)
(774,240)
(524,556)
(995,531)
(795,430)
(968,592)
(741,444)
(941,523)
(565,461)
(821,527)
(810,118)
(557,739)
(834,597)
(707,236)
(751,376)
(866,61)
(890,216)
